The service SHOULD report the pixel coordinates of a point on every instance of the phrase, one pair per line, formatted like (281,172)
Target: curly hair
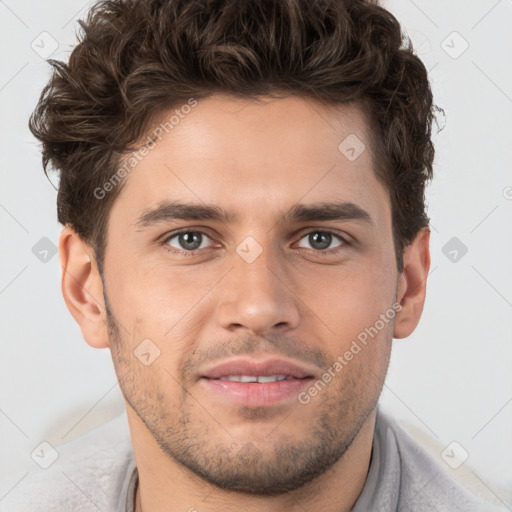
(136,58)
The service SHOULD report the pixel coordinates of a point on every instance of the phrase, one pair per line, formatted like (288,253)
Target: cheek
(350,295)
(350,302)
(159,302)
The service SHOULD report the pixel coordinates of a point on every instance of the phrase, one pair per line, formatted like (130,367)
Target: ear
(412,284)
(82,287)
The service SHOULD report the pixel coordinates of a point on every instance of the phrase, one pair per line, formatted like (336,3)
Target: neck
(165,485)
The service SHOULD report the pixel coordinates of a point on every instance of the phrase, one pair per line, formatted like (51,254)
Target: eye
(187,241)
(322,240)
(190,242)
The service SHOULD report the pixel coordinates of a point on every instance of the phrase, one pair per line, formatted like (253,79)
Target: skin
(194,450)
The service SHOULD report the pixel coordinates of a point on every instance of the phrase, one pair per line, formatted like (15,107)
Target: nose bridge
(255,293)
(258,268)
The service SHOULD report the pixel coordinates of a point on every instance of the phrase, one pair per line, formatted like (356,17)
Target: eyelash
(324,252)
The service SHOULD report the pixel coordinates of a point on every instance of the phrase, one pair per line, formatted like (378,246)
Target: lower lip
(256,394)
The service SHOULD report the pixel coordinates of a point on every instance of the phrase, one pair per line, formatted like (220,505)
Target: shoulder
(424,483)
(89,473)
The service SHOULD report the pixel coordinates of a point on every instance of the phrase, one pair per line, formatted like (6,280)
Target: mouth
(256,383)
(255,378)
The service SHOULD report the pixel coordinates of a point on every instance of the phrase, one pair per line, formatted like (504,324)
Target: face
(223,260)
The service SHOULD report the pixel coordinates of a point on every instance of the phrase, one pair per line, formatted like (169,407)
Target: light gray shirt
(97,472)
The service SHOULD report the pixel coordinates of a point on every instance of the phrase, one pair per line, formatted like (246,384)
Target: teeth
(271,378)
(245,378)
(252,378)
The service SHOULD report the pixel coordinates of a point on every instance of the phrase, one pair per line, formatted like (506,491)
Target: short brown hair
(136,58)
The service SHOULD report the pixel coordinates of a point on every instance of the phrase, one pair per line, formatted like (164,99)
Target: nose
(257,296)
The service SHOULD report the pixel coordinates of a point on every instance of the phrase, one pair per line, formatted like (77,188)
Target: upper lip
(257,367)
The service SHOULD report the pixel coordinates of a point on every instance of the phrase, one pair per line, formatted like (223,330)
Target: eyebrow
(174,210)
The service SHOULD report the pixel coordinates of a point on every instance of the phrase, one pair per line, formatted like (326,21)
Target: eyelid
(346,240)
(165,239)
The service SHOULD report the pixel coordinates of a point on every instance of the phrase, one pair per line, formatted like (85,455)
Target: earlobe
(82,287)
(412,284)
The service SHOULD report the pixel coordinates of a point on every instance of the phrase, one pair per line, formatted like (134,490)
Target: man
(242,189)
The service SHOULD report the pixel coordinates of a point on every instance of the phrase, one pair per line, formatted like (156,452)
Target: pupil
(191,240)
(322,240)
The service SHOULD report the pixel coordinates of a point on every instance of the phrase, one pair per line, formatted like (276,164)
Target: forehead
(256,157)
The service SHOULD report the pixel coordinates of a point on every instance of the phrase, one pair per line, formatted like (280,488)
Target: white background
(449,381)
